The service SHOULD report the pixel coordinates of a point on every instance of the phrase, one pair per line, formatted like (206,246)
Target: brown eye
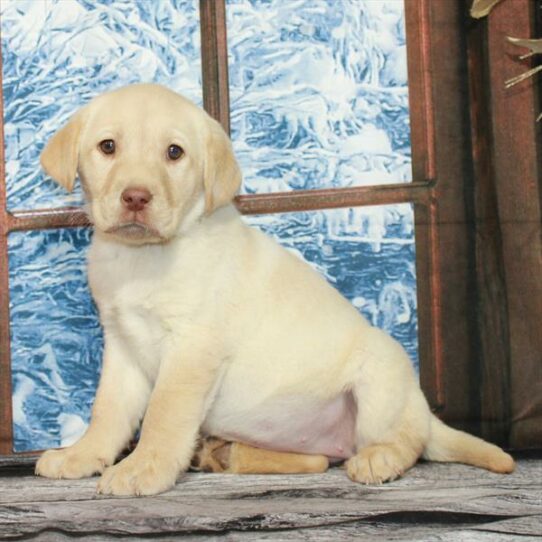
(174,152)
(107,146)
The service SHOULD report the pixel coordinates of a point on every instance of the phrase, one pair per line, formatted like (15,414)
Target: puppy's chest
(144,311)
(142,330)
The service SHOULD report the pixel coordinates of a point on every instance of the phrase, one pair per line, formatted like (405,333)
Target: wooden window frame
(439,57)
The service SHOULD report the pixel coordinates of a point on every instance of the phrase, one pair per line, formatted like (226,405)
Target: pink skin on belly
(316,428)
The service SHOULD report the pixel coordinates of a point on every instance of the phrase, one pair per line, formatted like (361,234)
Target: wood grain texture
(450,500)
(489,283)
(519,204)
(444,263)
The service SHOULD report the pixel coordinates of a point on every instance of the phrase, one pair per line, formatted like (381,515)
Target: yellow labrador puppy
(211,327)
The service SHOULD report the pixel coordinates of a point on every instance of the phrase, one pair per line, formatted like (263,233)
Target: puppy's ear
(60,157)
(222,176)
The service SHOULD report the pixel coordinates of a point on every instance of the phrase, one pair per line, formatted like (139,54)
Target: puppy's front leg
(120,401)
(168,436)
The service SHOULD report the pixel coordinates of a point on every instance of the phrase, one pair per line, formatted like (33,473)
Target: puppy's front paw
(139,474)
(377,464)
(73,462)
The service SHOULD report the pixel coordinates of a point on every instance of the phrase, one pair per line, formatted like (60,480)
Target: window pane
(319,95)
(366,253)
(57,54)
(56,340)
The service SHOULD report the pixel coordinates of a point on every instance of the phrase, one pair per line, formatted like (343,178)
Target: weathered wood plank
(521,526)
(18,460)
(407,529)
(333,484)
(306,507)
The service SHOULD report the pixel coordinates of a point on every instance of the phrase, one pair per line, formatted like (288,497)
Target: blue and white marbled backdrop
(294,126)
(56,339)
(319,94)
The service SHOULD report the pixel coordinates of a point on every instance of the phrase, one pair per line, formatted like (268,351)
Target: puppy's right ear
(60,157)
(222,176)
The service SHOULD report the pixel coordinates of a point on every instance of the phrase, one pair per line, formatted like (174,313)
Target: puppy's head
(147,158)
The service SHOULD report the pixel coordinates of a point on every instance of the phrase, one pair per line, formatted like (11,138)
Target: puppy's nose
(135,199)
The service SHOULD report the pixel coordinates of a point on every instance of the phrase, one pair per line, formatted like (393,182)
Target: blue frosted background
(319,99)
(318,91)
(55,335)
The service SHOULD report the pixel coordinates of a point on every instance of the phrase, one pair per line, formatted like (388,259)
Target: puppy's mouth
(134,231)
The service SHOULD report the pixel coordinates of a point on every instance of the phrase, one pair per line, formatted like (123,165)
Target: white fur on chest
(132,288)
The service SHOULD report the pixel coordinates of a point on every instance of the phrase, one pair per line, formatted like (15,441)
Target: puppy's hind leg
(392,420)
(217,455)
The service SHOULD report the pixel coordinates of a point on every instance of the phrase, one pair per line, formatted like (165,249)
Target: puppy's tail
(447,444)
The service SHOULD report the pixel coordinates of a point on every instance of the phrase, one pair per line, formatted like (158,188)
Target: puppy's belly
(289,424)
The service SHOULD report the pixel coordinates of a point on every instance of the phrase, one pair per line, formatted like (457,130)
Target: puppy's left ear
(60,157)
(221,172)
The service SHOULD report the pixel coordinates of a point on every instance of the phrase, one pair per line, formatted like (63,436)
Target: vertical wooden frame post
(6,424)
(214,61)
(450,372)
(420,91)
(422,137)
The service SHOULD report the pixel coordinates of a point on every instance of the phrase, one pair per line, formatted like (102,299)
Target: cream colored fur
(210,326)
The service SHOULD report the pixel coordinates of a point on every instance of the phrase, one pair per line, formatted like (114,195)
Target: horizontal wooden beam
(39,219)
(278,202)
(312,200)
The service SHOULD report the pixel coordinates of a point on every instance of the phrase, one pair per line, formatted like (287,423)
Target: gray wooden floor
(432,502)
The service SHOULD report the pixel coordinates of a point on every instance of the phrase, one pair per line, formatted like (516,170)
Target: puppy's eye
(174,152)
(107,146)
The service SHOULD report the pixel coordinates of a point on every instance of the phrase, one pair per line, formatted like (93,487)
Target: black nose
(135,199)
